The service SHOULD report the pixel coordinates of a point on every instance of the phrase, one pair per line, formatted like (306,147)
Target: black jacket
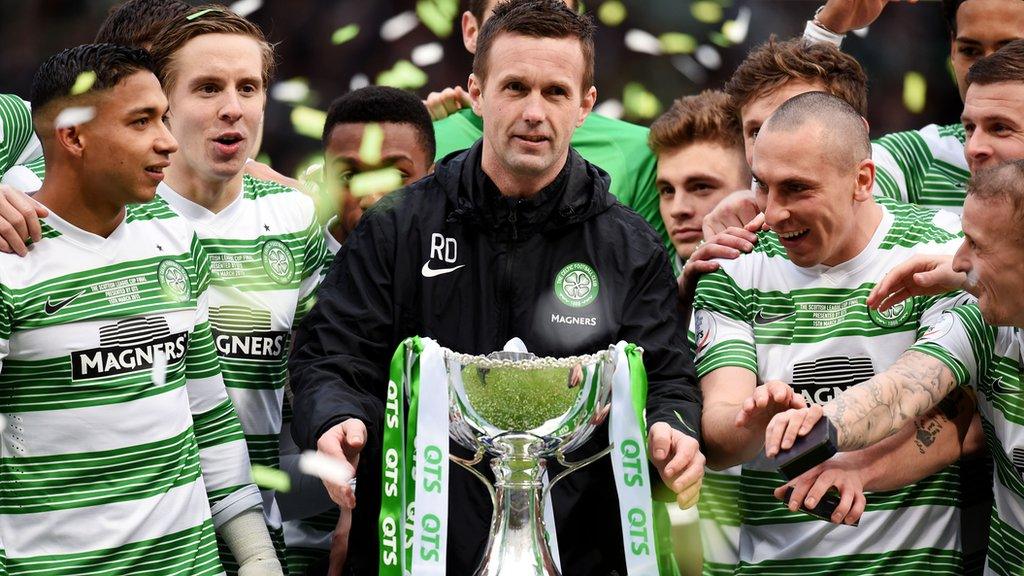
(502,257)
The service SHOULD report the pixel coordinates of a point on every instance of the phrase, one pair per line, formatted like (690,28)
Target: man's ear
(587,105)
(865,180)
(71,139)
(470,28)
(476,94)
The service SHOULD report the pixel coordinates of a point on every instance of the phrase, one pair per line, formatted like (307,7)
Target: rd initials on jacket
(444,249)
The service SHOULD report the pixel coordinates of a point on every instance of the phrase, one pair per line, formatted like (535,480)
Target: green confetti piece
(344,34)
(404,75)
(195,15)
(308,121)
(449,8)
(639,103)
(611,13)
(706,11)
(375,182)
(677,43)
(719,39)
(580,7)
(434,18)
(734,31)
(83,83)
(915,91)
(271,478)
(372,143)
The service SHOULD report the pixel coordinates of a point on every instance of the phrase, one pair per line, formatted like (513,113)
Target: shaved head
(841,130)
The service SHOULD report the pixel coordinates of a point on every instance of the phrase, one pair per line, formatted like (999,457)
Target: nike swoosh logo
(760,319)
(1000,387)
(52,308)
(429,272)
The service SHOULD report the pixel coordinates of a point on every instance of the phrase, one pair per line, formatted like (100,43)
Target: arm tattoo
(929,426)
(876,409)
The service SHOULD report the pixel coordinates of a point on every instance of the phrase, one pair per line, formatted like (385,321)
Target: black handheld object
(809,450)
(826,506)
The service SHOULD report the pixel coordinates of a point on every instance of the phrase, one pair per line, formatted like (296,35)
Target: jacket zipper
(506,316)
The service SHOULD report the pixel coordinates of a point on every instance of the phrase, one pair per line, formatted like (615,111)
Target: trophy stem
(517,545)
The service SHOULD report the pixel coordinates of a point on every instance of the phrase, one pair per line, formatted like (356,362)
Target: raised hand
(922,275)
(343,442)
(769,399)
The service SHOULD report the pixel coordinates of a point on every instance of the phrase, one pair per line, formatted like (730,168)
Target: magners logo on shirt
(129,346)
(245,334)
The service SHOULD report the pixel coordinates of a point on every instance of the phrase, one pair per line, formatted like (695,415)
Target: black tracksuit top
(498,259)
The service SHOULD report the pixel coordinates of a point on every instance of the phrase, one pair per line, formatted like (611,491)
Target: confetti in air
(639,103)
(736,30)
(404,75)
(677,43)
(83,83)
(294,91)
(375,182)
(610,108)
(271,478)
(915,91)
(427,54)
(358,81)
(372,144)
(159,369)
(434,18)
(308,121)
(706,11)
(641,41)
(195,15)
(325,468)
(611,13)
(344,34)
(709,57)
(245,7)
(861,32)
(74,116)
(397,26)
(690,68)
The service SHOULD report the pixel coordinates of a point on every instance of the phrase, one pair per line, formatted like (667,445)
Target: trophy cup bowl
(523,410)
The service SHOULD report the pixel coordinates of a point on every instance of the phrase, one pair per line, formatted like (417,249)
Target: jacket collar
(579,192)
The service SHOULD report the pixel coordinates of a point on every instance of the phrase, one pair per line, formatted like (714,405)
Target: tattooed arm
(872,410)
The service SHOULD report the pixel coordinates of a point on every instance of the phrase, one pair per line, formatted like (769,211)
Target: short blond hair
(706,117)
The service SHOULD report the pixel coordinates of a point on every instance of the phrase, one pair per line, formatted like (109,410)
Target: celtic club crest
(576,285)
(174,281)
(278,262)
(893,317)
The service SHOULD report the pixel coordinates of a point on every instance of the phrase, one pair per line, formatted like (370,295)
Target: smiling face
(754,114)
(809,198)
(217,99)
(992,256)
(531,102)
(127,145)
(402,149)
(993,121)
(691,181)
(983,26)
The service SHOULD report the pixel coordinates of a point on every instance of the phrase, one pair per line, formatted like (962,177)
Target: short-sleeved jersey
(619,148)
(812,327)
(104,466)
(991,361)
(266,253)
(924,167)
(18,142)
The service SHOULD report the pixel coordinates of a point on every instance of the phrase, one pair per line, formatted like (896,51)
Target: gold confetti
(83,83)
(677,43)
(308,121)
(271,478)
(915,91)
(706,11)
(344,34)
(372,143)
(639,103)
(375,182)
(611,13)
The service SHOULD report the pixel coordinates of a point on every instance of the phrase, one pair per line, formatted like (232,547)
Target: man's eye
(969,52)
(666,191)
(141,122)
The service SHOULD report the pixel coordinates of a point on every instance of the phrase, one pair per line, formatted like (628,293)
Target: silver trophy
(523,410)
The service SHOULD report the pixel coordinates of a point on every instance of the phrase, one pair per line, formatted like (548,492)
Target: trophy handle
(573,466)
(469,465)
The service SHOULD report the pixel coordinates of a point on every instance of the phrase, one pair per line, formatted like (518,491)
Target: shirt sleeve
(222,450)
(962,341)
(724,336)
(890,178)
(18,143)
(315,260)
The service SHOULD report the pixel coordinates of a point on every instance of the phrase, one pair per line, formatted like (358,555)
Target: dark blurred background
(705,37)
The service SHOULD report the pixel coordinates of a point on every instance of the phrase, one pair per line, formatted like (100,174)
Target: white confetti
(641,41)
(861,32)
(427,54)
(610,108)
(690,68)
(359,81)
(159,369)
(709,57)
(325,468)
(398,26)
(74,116)
(294,90)
(245,7)
(1,130)
(736,30)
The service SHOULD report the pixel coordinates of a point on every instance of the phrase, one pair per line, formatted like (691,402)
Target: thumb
(355,434)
